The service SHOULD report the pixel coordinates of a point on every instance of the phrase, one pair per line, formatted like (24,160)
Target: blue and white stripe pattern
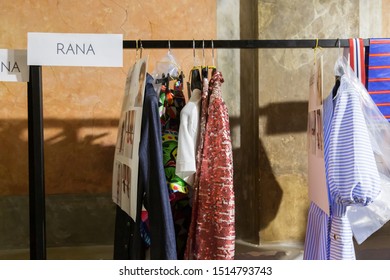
(316,241)
(351,173)
(318,225)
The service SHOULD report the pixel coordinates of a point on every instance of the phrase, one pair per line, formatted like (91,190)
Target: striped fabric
(357,58)
(317,233)
(351,173)
(379,74)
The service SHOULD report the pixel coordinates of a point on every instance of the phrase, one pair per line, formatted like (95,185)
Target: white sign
(67,49)
(13,66)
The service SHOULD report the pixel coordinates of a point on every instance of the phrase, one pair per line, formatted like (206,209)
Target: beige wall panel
(81,105)
(283,94)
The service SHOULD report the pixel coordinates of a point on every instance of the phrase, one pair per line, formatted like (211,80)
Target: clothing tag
(13,66)
(67,49)
(318,192)
(126,157)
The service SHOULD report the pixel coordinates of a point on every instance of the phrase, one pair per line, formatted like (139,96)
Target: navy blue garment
(127,243)
(152,192)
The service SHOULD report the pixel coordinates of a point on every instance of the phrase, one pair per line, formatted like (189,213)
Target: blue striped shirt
(351,172)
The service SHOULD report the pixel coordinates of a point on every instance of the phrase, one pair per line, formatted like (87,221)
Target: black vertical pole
(36,166)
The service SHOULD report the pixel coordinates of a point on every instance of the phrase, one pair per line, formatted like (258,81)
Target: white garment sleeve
(187,142)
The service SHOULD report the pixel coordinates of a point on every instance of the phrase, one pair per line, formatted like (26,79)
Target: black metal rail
(35,116)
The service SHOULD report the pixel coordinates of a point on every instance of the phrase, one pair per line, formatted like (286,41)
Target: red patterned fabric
(212,233)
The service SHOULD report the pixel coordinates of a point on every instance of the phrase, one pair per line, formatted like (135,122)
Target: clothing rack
(238,44)
(35,116)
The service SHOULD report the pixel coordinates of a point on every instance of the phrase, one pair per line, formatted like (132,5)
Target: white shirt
(188,138)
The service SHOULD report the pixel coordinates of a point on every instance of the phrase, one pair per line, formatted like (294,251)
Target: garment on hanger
(172,101)
(152,194)
(152,177)
(351,172)
(125,167)
(189,138)
(191,251)
(366,220)
(379,74)
(212,233)
(127,243)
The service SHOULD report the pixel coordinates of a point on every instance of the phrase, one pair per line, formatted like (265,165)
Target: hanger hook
(169,46)
(316,48)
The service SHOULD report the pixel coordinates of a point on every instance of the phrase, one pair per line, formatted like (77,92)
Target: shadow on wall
(78,171)
(285,118)
(78,156)
(258,193)
(281,118)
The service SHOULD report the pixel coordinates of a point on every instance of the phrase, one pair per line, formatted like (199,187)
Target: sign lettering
(74,49)
(68,49)
(13,66)
(7,67)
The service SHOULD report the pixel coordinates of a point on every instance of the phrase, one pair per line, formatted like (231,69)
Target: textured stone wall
(81,105)
(386,18)
(283,93)
(81,110)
